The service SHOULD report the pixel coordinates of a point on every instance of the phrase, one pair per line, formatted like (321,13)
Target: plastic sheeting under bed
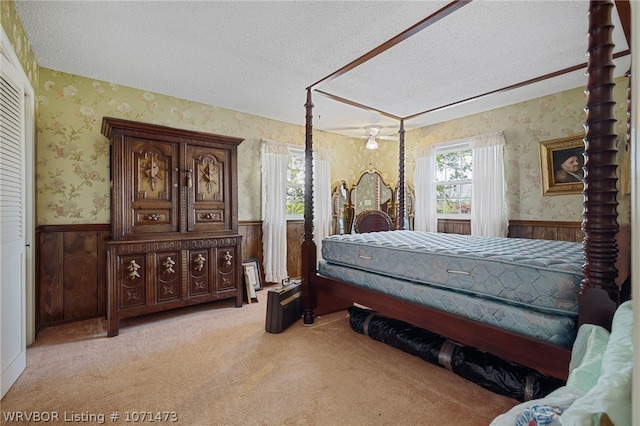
(490,372)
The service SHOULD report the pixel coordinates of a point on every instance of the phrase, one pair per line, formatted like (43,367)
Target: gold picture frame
(561,166)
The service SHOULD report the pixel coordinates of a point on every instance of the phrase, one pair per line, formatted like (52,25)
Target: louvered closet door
(12,227)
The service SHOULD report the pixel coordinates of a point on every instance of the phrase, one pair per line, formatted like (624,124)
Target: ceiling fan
(373,133)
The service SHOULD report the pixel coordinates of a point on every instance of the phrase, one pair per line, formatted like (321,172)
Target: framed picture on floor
(251,273)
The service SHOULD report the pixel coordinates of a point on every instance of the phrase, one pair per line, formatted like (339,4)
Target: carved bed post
(309,254)
(599,294)
(401,193)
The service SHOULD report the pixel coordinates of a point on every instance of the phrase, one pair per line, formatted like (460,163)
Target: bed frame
(599,294)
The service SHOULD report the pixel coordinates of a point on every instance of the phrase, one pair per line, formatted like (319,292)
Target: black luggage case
(284,306)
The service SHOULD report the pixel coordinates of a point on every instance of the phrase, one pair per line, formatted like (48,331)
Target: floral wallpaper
(12,26)
(72,159)
(72,156)
(525,125)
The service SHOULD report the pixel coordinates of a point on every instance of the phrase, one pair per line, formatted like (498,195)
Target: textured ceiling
(259,57)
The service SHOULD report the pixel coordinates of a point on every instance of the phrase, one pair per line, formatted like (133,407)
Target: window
(295,184)
(454,180)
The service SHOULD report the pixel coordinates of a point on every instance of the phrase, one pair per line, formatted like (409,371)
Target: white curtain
(322,214)
(489,211)
(425,175)
(273,159)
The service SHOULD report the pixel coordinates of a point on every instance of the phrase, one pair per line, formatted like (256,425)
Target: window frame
(297,152)
(446,148)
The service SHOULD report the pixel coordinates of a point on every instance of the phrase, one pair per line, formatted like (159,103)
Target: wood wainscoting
(546,230)
(295,236)
(71,276)
(71,269)
(252,244)
(71,259)
(537,229)
(454,226)
(251,232)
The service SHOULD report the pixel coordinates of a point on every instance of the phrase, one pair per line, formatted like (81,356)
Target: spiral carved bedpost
(599,294)
(309,254)
(402,188)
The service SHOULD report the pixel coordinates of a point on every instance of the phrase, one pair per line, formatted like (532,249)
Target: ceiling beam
(357,105)
(624,12)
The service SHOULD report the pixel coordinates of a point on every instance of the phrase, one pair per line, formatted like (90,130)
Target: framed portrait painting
(561,162)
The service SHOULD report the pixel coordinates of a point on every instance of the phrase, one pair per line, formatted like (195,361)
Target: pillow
(540,415)
(539,411)
(611,395)
(596,353)
(586,357)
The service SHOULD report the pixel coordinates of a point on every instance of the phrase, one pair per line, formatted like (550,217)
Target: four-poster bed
(598,293)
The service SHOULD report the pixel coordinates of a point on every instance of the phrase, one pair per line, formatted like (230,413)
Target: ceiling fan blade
(340,129)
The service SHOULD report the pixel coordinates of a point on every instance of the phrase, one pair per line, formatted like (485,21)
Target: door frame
(29,186)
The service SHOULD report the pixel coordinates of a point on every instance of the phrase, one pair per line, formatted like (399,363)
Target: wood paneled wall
(295,237)
(71,273)
(543,230)
(454,226)
(251,240)
(563,231)
(71,259)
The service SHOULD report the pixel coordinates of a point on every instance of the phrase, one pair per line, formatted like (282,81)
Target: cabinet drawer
(152,221)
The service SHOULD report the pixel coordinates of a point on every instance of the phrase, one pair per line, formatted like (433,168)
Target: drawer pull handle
(228,258)
(365,257)
(199,262)
(133,268)
(168,265)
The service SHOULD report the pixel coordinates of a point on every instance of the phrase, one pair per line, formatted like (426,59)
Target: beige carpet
(215,365)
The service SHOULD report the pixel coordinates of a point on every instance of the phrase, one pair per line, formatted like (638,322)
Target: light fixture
(371,141)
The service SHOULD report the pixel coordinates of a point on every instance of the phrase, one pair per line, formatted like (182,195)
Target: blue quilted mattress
(557,329)
(542,275)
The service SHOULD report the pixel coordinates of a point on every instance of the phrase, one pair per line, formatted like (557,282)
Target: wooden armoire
(174,219)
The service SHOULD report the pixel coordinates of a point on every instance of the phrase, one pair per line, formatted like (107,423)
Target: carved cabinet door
(167,276)
(226,268)
(131,282)
(199,272)
(154,189)
(208,189)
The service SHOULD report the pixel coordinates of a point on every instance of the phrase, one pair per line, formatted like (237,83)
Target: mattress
(557,329)
(543,275)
